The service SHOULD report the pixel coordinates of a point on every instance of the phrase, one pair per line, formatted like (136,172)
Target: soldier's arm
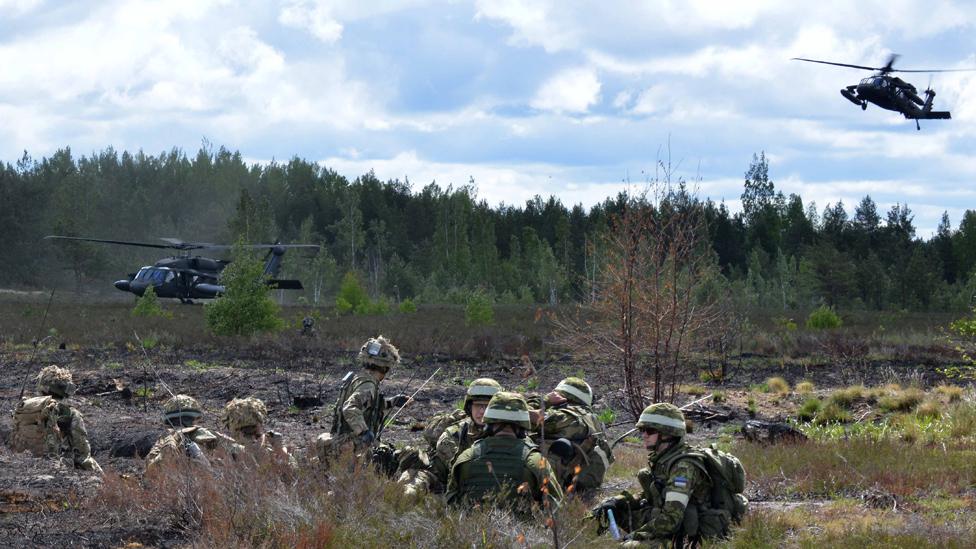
(665,521)
(559,424)
(354,408)
(80,448)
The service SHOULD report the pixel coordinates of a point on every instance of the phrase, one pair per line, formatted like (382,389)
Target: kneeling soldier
(504,464)
(48,425)
(245,418)
(574,437)
(689,493)
(357,419)
(186,439)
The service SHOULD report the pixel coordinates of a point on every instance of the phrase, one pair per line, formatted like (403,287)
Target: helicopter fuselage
(893,94)
(169,280)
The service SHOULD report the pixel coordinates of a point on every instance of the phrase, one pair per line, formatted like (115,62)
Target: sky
(568,98)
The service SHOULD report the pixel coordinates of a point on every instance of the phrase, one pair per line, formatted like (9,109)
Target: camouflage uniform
(509,468)
(47,425)
(575,421)
(452,441)
(186,440)
(674,487)
(244,418)
(357,420)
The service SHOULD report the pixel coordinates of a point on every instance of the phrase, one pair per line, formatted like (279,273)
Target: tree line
(437,243)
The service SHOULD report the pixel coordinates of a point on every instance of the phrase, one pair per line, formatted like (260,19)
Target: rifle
(30,362)
(409,400)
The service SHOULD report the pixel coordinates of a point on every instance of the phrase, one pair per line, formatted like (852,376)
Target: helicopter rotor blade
(837,64)
(891,61)
(932,70)
(107,241)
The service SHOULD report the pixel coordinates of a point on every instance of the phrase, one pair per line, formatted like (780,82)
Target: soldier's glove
(367,437)
(563,448)
(599,513)
(399,400)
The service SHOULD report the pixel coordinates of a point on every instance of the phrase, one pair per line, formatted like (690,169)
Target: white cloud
(17,8)
(572,90)
(315,17)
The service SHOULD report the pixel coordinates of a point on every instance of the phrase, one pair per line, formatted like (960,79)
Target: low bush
(407,306)
(778,385)
(901,401)
(809,409)
(847,396)
(832,413)
(804,387)
(823,318)
(479,310)
(952,393)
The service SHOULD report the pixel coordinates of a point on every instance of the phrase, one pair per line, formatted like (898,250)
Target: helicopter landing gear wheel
(864,105)
(918,127)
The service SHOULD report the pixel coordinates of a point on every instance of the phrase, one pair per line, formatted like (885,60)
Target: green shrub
(352,295)
(607,416)
(823,318)
(246,306)
(718,396)
(778,385)
(479,310)
(809,409)
(148,305)
(407,306)
(751,407)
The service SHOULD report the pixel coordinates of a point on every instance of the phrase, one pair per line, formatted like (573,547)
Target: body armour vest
(497,466)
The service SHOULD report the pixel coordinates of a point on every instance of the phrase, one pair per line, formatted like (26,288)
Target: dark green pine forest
(435,243)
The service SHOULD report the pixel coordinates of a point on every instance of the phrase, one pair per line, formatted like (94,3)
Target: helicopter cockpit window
(154,276)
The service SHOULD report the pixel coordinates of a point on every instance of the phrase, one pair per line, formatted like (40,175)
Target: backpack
(35,426)
(728,505)
(439,423)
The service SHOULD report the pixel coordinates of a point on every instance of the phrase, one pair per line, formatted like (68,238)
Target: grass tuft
(804,387)
(778,385)
(904,400)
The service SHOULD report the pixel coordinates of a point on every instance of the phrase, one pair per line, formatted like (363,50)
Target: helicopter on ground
(187,278)
(891,92)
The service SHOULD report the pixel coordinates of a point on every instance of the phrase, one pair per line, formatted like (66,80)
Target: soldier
(456,438)
(678,504)
(48,425)
(357,419)
(504,464)
(574,437)
(186,438)
(244,418)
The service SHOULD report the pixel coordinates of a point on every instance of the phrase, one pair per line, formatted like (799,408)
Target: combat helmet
(181,409)
(665,418)
(480,389)
(55,381)
(243,413)
(576,390)
(379,353)
(507,407)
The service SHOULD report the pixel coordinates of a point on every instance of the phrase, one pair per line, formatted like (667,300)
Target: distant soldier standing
(574,437)
(186,439)
(455,439)
(689,494)
(47,425)
(357,420)
(504,464)
(245,418)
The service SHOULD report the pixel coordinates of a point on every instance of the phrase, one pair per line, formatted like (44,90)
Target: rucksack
(35,426)
(439,423)
(728,505)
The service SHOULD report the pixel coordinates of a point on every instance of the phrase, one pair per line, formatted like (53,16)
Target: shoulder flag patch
(680,482)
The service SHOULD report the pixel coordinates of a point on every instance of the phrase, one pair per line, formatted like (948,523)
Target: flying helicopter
(890,92)
(187,277)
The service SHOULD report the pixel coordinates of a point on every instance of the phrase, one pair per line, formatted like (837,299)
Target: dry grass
(805,387)
(778,385)
(952,393)
(266,504)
